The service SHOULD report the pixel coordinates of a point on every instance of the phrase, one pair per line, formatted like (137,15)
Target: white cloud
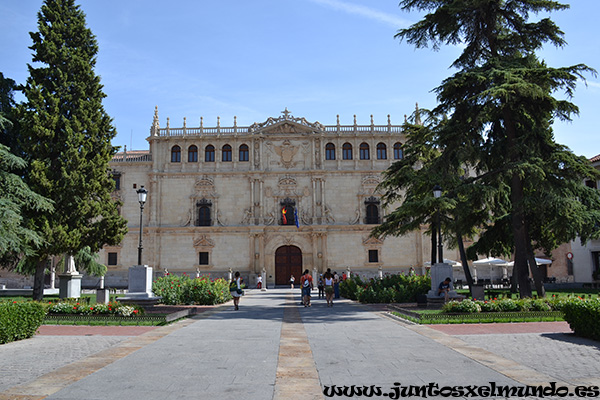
(366,12)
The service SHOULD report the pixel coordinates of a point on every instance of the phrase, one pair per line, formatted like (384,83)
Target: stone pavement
(273,348)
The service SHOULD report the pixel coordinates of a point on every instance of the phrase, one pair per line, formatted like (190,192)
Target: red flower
(135,311)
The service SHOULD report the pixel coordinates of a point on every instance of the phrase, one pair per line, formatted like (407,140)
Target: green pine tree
(498,111)
(66,137)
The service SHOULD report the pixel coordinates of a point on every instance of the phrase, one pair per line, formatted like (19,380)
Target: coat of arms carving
(286,151)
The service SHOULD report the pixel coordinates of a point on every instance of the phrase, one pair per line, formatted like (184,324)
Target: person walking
(292,279)
(328,282)
(336,285)
(321,286)
(259,282)
(236,289)
(306,282)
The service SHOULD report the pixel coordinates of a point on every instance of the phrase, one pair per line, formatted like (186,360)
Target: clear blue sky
(251,59)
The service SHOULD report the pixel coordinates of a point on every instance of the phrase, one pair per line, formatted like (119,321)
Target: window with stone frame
(381,151)
(372,211)
(203,258)
(398,153)
(330,151)
(347,151)
(117,178)
(175,154)
(203,213)
(193,153)
(209,153)
(373,256)
(226,153)
(112,258)
(287,208)
(244,153)
(364,151)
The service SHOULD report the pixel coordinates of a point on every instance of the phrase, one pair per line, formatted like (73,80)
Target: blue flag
(296,218)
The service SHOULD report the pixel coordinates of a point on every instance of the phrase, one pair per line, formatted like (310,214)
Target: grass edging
(112,320)
(474,318)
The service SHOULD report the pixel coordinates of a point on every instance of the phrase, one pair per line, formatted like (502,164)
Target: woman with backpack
(307,284)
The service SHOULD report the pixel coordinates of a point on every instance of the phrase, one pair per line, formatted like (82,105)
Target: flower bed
(77,308)
(182,289)
(398,288)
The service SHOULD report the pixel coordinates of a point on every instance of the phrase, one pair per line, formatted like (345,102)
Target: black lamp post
(437,193)
(142,199)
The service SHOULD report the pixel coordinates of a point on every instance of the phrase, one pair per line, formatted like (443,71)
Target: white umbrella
(538,261)
(447,261)
(489,262)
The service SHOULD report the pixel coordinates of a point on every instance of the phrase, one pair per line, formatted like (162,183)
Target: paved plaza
(273,348)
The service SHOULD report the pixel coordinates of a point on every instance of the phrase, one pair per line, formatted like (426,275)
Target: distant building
(230,197)
(586,257)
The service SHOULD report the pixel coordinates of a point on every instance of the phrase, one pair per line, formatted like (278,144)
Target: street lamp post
(142,199)
(437,193)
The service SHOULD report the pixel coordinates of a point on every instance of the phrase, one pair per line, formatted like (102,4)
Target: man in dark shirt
(444,288)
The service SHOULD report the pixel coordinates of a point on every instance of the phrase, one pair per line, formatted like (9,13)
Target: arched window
(209,153)
(203,213)
(372,210)
(193,153)
(330,151)
(398,151)
(175,154)
(364,151)
(226,153)
(244,153)
(381,151)
(347,151)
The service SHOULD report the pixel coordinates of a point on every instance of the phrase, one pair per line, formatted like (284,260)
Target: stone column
(70,280)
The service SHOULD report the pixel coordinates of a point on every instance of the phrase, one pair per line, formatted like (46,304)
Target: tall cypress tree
(65,136)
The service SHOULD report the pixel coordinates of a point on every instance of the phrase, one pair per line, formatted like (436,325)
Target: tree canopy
(495,119)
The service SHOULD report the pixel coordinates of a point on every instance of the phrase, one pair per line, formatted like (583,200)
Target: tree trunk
(463,260)
(537,276)
(517,195)
(38,280)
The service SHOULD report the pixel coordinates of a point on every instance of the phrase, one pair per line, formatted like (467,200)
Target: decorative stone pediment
(204,241)
(287,182)
(371,180)
(286,124)
(372,241)
(204,183)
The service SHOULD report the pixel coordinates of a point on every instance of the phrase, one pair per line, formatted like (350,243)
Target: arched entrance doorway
(288,262)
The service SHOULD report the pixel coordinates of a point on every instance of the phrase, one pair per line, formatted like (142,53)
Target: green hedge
(184,290)
(20,320)
(583,317)
(504,305)
(398,288)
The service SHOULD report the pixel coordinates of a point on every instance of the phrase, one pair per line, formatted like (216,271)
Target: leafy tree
(498,111)
(66,137)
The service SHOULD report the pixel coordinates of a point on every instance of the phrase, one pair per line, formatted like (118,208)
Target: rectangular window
(373,256)
(203,258)
(117,179)
(112,258)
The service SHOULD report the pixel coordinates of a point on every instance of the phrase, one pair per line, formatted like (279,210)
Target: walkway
(272,348)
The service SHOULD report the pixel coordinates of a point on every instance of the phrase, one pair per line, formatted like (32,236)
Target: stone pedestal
(69,285)
(102,296)
(140,287)
(439,272)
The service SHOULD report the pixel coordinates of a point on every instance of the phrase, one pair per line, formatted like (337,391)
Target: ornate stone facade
(217,195)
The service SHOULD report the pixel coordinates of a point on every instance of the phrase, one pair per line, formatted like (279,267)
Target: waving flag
(283,212)
(296,218)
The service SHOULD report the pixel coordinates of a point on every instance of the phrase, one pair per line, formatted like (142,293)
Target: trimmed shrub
(398,288)
(20,320)
(184,290)
(583,317)
(465,306)
(112,308)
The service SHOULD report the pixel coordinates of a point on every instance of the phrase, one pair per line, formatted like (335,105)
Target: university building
(278,196)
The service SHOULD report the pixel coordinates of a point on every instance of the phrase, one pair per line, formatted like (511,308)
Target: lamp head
(142,195)
(437,191)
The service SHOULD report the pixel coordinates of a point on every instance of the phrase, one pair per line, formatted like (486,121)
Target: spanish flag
(283,212)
